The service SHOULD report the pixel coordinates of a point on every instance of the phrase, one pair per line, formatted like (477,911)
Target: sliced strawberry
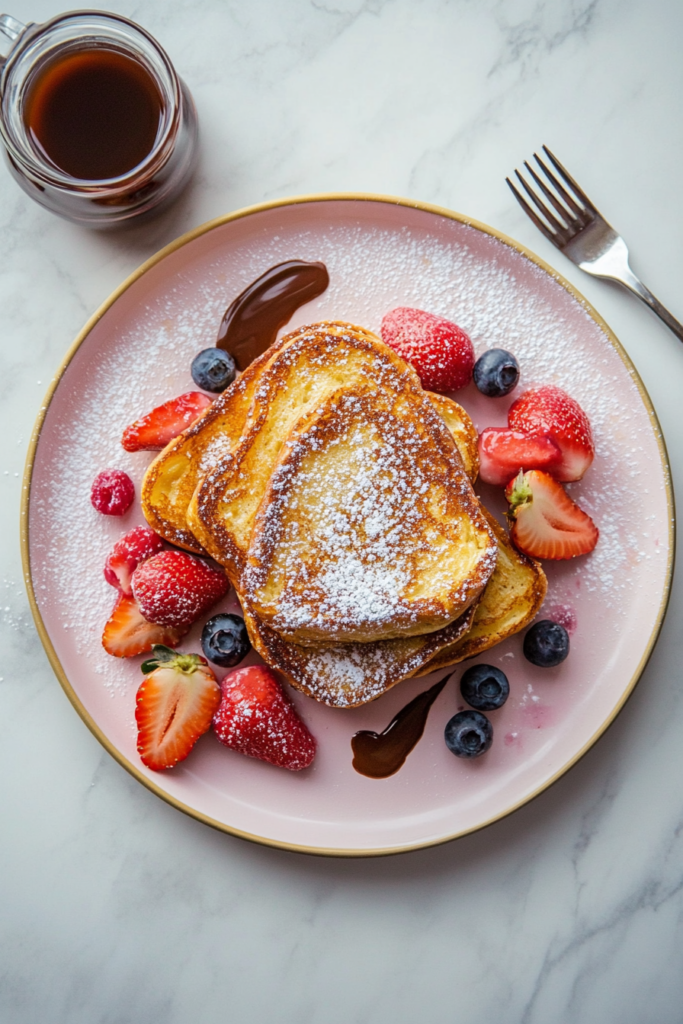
(127,633)
(256,718)
(547,523)
(174,706)
(503,452)
(154,431)
(131,549)
(174,588)
(550,410)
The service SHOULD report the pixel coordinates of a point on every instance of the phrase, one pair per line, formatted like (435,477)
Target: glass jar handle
(12,29)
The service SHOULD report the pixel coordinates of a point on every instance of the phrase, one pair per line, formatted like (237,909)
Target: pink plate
(381,253)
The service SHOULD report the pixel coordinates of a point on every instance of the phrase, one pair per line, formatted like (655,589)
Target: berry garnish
(134,547)
(485,687)
(112,492)
(154,431)
(546,644)
(440,352)
(496,373)
(256,718)
(174,588)
(550,410)
(128,633)
(213,369)
(174,706)
(225,640)
(546,522)
(503,452)
(468,734)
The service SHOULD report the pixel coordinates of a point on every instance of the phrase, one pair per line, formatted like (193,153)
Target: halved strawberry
(174,706)
(131,549)
(127,633)
(546,522)
(503,452)
(154,431)
(550,410)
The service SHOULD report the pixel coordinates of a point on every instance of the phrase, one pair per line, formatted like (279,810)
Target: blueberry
(225,641)
(496,372)
(546,644)
(485,687)
(468,734)
(213,369)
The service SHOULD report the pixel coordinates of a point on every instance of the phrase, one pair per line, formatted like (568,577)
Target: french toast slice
(172,478)
(369,529)
(314,362)
(513,596)
(462,429)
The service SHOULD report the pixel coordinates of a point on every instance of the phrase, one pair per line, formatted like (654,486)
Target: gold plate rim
(158,257)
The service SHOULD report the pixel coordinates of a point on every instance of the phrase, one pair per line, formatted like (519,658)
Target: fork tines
(565,212)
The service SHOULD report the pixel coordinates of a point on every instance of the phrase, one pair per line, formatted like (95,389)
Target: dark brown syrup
(251,322)
(379,755)
(94,113)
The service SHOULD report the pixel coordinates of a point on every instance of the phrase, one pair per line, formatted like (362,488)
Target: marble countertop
(115,907)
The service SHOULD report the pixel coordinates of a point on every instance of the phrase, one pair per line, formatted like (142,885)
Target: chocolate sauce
(379,755)
(251,322)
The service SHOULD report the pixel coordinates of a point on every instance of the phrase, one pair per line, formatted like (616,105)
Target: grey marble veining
(116,909)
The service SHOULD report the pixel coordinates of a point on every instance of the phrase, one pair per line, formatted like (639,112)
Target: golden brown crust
(463,430)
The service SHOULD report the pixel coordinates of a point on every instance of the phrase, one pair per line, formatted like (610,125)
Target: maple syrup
(94,114)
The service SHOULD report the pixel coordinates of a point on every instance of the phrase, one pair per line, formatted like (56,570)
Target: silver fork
(572,223)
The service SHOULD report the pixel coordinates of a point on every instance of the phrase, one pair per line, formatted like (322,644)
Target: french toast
(512,598)
(368,529)
(462,428)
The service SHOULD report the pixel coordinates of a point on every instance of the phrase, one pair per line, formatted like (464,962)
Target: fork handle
(613,264)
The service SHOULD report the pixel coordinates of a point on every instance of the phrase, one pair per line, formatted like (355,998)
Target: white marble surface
(116,909)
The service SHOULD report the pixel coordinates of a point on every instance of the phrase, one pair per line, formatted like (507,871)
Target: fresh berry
(550,410)
(112,492)
(468,734)
(547,523)
(485,687)
(128,633)
(546,644)
(154,431)
(213,369)
(503,452)
(174,588)
(496,373)
(440,352)
(174,706)
(225,640)
(134,547)
(256,718)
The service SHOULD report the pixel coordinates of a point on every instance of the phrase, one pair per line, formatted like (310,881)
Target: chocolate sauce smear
(251,322)
(379,755)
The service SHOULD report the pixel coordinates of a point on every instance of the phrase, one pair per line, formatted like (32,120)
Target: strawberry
(503,452)
(440,352)
(546,522)
(256,718)
(153,432)
(174,706)
(127,633)
(174,588)
(134,547)
(550,410)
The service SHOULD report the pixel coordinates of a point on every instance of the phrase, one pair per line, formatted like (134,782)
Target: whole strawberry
(550,410)
(440,352)
(174,588)
(131,549)
(256,718)
(174,706)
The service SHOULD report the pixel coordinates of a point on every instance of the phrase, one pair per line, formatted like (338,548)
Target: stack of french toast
(337,494)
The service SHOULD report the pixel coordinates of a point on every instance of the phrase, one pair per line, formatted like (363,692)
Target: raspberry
(440,352)
(174,588)
(112,492)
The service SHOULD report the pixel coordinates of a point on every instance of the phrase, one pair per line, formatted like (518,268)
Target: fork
(571,222)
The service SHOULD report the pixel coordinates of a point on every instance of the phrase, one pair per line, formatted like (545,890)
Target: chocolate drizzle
(251,322)
(379,755)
